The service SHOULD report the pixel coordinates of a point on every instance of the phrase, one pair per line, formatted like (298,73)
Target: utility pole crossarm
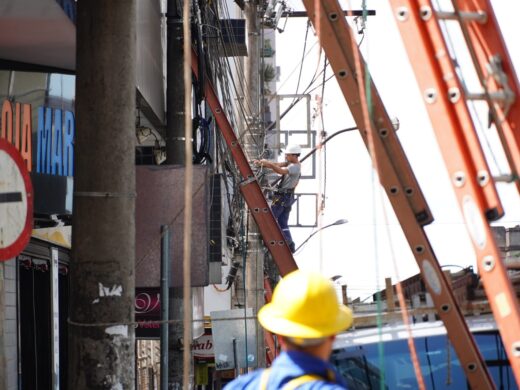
(396,177)
(251,190)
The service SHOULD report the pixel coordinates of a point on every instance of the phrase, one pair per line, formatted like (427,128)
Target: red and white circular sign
(16,202)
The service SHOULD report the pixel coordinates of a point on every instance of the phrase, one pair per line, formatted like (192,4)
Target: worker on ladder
(283,197)
(306,316)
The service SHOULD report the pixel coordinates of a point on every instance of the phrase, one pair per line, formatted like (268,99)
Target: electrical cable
(220,66)
(221,69)
(322,117)
(366,102)
(227,164)
(202,133)
(242,81)
(362,38)
(367,109)
(245,241)
(294,70)
(297,100)
(222,74)
(320,145)
(303,56)
(313,79)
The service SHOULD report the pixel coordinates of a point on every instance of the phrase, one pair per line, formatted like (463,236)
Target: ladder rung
(499,96)
(505,178)
(479,16)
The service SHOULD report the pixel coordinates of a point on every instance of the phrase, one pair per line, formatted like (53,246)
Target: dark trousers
(281,208)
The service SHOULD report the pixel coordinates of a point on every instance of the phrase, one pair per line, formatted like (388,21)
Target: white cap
(293,149)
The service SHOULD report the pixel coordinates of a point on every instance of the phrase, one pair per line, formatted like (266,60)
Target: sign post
(16,202)
(55,320)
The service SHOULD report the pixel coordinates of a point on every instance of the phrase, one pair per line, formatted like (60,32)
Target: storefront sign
(55,137)
(203,348)
(17,129)
(147,313)
(148,317)
(55,149)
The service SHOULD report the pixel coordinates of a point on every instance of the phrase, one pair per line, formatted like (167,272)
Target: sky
(371,246)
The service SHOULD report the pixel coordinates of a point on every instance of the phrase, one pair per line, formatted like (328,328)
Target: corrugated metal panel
(160,201)
(150,74)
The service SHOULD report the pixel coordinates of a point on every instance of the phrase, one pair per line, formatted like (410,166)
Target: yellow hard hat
(305,305)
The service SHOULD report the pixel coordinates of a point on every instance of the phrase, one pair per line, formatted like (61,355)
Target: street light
(338,222)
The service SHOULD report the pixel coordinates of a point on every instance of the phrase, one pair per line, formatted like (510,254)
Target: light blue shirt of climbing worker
(283,197)
(306,316)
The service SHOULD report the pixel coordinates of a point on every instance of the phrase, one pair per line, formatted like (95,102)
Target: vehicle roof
(399,331)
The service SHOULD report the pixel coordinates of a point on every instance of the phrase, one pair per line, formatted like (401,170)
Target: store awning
(37,32)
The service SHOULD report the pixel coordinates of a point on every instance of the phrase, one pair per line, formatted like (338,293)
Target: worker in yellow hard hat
(306,316)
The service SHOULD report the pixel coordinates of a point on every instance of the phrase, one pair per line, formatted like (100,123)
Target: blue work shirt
(287,366)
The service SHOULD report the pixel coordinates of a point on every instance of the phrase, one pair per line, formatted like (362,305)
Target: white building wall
(215,300)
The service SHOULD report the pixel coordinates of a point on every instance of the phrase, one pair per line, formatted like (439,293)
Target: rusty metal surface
(160,201)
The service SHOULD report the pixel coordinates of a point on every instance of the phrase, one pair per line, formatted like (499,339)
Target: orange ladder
(446,102)
(396,176)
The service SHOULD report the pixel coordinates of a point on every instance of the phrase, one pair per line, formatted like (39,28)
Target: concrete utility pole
(175,155)
(253,142)
(102,342)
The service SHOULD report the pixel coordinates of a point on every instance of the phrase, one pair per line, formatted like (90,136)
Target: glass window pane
(440,367)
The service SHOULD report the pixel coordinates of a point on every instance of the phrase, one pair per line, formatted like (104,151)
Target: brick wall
(8,352)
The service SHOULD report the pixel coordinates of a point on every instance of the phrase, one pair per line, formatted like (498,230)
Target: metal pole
(235,357)
(165,302)
(55,319)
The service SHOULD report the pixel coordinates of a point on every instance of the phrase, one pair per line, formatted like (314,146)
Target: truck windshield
(359,364)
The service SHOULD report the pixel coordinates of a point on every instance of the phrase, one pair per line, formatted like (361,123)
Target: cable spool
(201,140)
